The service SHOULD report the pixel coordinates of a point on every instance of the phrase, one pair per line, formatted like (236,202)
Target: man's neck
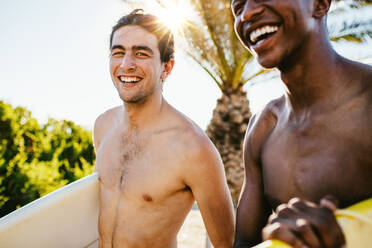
(312,75)
(140,114)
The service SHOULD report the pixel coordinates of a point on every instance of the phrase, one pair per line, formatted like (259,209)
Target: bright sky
(54,61)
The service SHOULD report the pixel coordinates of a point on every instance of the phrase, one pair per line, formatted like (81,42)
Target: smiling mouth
(129,80)
(260,34)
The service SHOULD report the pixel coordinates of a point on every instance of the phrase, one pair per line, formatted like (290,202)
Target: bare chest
(138,169)
(325,156)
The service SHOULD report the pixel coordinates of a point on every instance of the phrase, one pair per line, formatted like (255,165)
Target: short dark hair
(153,25)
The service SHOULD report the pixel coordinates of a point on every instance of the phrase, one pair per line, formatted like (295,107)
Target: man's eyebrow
(135,48)
(117,47)
(146,48)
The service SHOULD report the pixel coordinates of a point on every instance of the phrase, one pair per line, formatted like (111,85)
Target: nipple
(147,198)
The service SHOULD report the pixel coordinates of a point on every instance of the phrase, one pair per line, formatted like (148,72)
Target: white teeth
(255,34)
(129,79)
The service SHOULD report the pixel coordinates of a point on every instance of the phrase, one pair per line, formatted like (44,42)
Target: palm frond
(351,21)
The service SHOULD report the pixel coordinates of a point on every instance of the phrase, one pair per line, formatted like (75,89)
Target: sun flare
(174,15)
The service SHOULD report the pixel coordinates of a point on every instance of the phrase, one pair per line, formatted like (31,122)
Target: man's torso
(143,198)
(326,153)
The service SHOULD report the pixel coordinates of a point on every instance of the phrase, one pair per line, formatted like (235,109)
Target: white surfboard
(67,217)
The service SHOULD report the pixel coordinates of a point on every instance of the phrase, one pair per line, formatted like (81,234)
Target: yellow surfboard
(355,221)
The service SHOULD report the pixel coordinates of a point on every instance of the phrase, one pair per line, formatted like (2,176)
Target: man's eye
(117,54)
(141,54)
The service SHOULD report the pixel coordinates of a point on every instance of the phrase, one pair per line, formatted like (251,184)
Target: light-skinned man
(153,162)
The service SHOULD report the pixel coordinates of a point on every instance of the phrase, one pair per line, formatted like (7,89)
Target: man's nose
(128,63)
(252,10)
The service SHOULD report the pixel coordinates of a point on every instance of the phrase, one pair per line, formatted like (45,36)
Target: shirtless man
(153,162)
(314,141)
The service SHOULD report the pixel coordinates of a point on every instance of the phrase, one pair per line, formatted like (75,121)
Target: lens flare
(174,14)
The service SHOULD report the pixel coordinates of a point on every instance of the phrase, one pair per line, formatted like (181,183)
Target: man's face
(135,65)
(273,29)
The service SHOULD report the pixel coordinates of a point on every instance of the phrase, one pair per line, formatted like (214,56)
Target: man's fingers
(300,228)
(283,233)
(281,212)
(301,206)
(329,202)
(305,223)
(330,231)
(306,232)
(322,221)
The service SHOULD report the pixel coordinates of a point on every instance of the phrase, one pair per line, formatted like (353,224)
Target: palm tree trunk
(226,130)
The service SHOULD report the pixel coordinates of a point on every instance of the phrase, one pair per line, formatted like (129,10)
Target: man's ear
(321,8)
(168,66)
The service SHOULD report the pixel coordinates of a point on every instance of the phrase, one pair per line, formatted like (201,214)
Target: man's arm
(97,135)
(206,177)
(253,210)
(97,132)
(103,124)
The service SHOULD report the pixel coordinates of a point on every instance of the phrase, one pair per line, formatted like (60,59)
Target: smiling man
(153,162)
(312,142)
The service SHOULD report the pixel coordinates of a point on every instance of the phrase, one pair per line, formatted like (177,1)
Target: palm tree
(208,37)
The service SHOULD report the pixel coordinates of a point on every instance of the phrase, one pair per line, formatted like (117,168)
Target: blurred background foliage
(37,159)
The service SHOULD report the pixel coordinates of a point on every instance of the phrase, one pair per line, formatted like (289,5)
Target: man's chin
(131,99)
(268,63)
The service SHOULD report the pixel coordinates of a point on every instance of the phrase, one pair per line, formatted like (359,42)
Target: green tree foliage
(35,159)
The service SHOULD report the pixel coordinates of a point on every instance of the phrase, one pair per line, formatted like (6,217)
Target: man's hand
(305,224)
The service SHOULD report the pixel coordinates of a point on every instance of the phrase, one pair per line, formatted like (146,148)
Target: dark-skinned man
(315,140)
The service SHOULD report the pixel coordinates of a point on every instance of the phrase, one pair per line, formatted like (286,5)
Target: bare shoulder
(199,162)
(196,141)
(359,73)
(261,125)
(268,115)
(367,79)
(195,146)
(103,123)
